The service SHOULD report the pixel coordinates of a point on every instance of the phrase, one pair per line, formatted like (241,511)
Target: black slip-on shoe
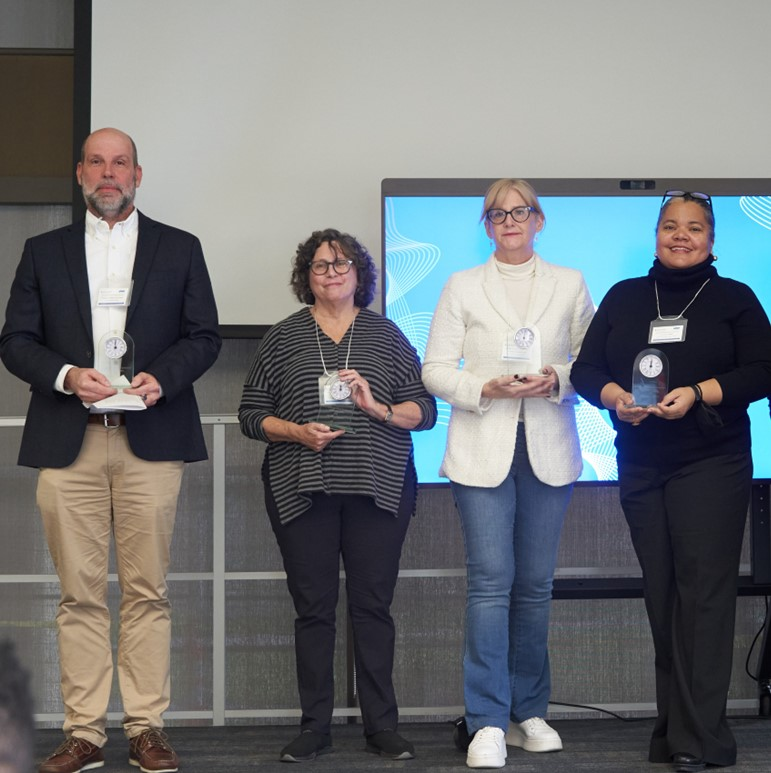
(389,744)
(306,747)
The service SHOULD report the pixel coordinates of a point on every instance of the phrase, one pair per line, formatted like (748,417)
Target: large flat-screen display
(605,228)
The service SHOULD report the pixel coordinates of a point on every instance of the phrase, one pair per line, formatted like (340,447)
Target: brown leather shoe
(151,752)
(73,756)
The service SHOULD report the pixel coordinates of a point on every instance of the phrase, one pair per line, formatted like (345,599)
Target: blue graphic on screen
(609,238)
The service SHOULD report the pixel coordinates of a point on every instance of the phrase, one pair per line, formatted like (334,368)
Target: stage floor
(590,745)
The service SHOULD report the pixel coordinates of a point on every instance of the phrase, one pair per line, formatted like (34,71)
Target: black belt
(107,419)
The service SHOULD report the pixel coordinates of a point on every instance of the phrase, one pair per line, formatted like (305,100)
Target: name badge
(667,331)
(519,344)
(333,390)
(114,296)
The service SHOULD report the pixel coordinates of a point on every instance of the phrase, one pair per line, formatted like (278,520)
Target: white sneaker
(533,735)
(487,749)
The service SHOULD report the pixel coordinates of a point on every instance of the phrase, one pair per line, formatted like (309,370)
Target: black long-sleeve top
(728,337)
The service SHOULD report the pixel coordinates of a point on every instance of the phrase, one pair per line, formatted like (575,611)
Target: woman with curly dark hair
(335,390)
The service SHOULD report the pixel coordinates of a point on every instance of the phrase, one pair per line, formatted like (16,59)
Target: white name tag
(667,332)
(114,296)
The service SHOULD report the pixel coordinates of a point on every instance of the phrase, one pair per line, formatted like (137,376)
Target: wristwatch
(389,414)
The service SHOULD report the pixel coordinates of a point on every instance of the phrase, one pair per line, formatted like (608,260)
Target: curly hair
(351,248)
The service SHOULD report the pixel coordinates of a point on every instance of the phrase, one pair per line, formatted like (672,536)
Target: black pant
(370,541)
(687,526)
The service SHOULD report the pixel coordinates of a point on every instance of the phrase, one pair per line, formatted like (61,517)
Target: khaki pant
(109,491)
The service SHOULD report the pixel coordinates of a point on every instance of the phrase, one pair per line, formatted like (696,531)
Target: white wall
(258,121)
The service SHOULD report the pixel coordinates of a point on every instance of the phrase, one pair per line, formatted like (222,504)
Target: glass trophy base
(646,395)
(337,417)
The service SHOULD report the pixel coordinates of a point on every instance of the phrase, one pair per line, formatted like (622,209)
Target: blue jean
(511,534)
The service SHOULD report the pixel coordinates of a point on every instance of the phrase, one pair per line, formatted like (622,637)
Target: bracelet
(389,414)
(697,392)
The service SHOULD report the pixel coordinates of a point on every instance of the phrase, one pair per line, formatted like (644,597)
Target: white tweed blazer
(470,324)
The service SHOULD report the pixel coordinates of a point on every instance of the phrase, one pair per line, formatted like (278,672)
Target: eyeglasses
(340,266)
(518,214)
(693,195)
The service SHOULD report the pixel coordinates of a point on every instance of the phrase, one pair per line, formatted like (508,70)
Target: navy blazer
(172,319)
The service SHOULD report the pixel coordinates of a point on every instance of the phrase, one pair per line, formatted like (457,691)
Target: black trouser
(370,541)
(687,526)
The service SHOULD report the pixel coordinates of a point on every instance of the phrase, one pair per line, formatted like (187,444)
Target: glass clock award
(335,404)
(650,377)
(115,358)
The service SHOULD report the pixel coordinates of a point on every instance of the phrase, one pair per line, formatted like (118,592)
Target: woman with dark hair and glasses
(334,391)
(499,351)
(676,357)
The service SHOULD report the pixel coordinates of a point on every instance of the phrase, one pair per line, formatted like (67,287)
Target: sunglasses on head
(687,196)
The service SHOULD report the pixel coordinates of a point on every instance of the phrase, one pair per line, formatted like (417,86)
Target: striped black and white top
(283,381)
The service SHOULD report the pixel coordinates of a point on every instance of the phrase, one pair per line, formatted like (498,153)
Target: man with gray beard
(110,321)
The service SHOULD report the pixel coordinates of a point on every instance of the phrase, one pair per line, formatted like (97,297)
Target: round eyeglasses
(339,266)
(518,214)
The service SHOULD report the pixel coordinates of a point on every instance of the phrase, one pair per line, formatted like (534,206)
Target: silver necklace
(658,307)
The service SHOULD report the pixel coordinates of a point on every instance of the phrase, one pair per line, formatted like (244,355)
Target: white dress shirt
(110,262)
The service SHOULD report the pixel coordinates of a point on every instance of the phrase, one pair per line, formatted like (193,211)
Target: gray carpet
(590,745)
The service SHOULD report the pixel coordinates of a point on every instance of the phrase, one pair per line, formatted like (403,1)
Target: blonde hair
(500,188)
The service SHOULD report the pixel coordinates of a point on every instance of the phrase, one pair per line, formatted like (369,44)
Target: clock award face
(650,377)
(651,365)
(336,406)
(524,338)
(115,358)
(339,389)
(115,347)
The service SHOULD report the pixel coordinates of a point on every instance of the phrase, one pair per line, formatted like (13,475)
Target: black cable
(752,646)
(603,711)
(460,722)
